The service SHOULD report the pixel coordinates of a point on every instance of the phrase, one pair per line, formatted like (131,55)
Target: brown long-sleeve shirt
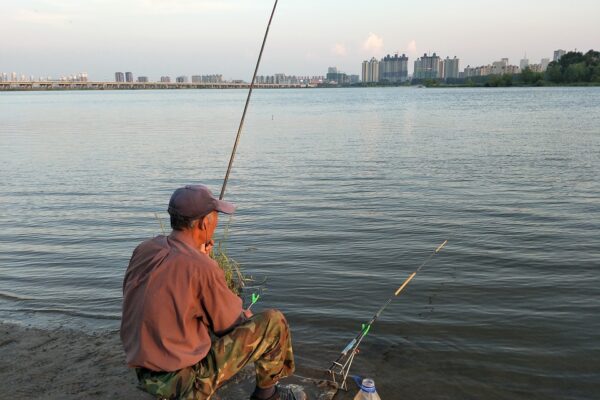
(173,295)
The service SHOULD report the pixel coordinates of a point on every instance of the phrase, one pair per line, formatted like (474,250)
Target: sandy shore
(63,364)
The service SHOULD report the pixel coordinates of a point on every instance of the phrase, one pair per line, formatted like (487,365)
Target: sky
(193,37)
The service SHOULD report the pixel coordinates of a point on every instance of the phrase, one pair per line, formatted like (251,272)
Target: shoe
(290,392)
(286,392)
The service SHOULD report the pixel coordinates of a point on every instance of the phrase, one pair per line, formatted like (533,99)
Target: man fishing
(176,299)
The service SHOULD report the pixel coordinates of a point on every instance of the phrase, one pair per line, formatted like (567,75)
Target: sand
(64,364)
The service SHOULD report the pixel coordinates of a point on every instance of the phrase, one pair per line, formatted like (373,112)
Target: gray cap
(195,201)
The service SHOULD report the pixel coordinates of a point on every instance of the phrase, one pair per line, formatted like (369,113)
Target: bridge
(61,85)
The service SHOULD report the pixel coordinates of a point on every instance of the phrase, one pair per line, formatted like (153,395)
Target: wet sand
(64,364)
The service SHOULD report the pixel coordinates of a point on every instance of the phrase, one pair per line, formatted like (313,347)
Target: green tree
(507,80)
(529,77)
(554,73)
(493,81)
(574,67)
(596,74)
(499,80)
(576,73)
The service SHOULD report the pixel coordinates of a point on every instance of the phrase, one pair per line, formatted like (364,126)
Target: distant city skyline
(392,68)
(183,37)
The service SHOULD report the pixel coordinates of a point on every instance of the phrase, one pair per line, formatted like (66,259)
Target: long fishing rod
(239,132)
(341,366)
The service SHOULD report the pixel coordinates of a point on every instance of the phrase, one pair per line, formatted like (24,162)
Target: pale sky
(191,37)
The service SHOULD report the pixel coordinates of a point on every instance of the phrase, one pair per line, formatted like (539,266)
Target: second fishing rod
(340,368)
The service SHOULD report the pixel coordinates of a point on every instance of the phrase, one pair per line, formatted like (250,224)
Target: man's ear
(202,223)
(196,224)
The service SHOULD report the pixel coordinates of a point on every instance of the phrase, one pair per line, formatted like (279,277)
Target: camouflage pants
(263,339)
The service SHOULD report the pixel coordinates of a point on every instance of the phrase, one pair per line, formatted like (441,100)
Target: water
(341,194)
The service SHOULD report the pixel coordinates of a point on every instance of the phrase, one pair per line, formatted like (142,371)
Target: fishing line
(239,132)
(255,296)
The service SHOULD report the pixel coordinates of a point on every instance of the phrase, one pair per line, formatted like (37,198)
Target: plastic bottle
(367,391)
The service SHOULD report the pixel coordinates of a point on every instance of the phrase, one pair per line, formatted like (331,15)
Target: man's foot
(284,392)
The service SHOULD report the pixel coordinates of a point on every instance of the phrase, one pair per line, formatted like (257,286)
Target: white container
(367,391)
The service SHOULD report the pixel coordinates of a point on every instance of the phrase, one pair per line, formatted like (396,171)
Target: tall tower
(365,71)
(370,70)
(393,69)
(524,63)
(429,67)
(451,68)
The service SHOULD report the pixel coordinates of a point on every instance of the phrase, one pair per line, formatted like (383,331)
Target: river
(341,194)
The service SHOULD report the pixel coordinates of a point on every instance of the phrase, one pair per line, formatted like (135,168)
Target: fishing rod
(341,367)
(239,132)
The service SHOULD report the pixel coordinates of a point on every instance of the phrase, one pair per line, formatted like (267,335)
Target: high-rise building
(451,68)
(499,67)
(336,77)
(483,70)
(535,68)
(280,79)
(196,79)
(119,77)
(544,63)
(393,69)
(214,78)
(502,67)
(370,70)
(181,79)
(13,77)
(142,79)
(524,63)
(558,54)
(165,79)
(128,77)
(429,67)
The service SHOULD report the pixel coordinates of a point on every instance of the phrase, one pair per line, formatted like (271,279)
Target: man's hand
(206,248)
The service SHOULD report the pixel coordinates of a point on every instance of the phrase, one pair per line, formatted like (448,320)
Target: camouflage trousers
(264,339)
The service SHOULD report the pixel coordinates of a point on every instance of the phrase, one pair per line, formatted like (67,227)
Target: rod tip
(441,246)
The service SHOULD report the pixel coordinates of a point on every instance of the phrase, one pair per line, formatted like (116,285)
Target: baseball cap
(195,201)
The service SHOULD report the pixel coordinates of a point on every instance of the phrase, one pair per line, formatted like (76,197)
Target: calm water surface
(341,194)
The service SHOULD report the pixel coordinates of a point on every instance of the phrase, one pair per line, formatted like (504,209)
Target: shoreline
(65,364)
(56,86)
(66,88)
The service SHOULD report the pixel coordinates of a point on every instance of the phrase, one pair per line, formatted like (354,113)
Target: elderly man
(175,297)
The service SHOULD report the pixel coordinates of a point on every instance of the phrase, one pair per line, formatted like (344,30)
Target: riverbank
(43,86)
(63,364)
(66,364)
(27,87)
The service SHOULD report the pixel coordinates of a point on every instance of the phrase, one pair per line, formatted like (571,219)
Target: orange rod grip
(405,283)
(441,246)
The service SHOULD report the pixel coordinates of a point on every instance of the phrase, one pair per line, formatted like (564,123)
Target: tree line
(575,67)
(572,68)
